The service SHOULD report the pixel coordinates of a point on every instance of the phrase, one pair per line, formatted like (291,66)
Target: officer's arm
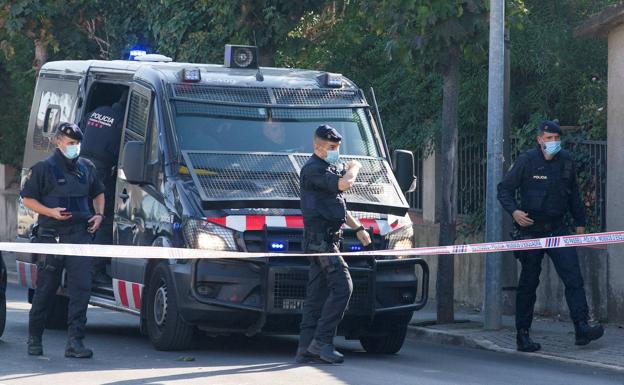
(510,183)
(37,207)
(576,204)
(348,179)
(98,203)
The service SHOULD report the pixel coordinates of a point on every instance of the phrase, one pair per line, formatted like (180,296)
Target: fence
(472,161)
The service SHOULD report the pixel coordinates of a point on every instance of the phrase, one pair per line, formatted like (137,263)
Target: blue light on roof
(136,51)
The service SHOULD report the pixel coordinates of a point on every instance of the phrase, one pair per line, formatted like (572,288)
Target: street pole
(495,124)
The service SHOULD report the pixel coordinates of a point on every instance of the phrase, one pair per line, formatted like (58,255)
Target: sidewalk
(556,338)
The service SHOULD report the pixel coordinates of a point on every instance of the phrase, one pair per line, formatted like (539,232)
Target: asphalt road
(124,357)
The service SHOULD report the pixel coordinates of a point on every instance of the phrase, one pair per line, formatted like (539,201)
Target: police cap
(70,130)
(327,132)
(549,126)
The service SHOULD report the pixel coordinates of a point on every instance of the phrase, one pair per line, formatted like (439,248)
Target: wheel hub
(160,305)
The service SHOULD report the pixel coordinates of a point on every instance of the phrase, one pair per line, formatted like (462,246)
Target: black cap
(550,127)
(70,130)
(327,132)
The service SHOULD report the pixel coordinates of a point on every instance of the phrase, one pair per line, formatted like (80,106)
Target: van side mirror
(133,162)
(403,162)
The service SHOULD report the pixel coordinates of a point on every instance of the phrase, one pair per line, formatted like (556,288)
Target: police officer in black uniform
(59,189)
(100,145)
(546,178)
(324,212)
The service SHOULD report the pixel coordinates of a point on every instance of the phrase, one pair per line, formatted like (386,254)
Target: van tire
(57,313)
(2,312)
(165,328)
(388,342)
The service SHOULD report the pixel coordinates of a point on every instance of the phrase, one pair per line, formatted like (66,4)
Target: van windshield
(213,127)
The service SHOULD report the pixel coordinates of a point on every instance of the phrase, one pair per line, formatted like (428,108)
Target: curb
(448,338)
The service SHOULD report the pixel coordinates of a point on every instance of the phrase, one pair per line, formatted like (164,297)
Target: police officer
(324,212)
(546,178)
(58,189)
(100,145)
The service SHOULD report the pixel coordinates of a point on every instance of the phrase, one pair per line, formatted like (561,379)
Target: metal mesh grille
(313,114)
(289,291)
(138,114)
(189,108)
(245,176)
(372,184)
(296,96)
(227,94)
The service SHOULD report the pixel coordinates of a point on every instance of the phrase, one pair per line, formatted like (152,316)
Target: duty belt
(541,228)
(53,232)
(327,236)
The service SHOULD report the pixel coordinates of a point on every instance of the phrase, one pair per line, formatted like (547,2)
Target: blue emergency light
(277,246)
(355,248)
(136,51)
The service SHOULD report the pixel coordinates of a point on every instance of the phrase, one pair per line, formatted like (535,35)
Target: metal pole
(493,211)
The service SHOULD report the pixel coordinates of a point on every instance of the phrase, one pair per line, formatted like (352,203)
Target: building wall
(615,182)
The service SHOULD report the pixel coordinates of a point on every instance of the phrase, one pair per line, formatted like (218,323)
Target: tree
(435,36)
(199,30)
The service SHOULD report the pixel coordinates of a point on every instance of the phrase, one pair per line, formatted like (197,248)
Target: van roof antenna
(259,75)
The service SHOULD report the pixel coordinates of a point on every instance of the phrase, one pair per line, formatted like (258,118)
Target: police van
(210,159)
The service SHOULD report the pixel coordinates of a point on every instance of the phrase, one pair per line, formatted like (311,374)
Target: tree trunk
(41,54)
(448,216)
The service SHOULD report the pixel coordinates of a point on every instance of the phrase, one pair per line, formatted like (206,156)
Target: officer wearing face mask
(59,189)
(546,179)
(324,212)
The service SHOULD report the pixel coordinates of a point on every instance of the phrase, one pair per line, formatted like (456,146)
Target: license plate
(292,303)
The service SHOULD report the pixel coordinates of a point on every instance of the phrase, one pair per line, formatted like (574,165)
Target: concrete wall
(470,278)
(615,181)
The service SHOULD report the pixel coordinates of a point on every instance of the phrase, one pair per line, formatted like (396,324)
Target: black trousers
(48,281)
(104,236)
(328,292)
(567,266)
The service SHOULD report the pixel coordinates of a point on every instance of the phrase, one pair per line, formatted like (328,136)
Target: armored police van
(210,159)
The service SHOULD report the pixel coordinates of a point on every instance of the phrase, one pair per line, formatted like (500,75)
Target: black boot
(304,357)
(585,333)
(325,352)
(35,347)
(525,343)
(75,349)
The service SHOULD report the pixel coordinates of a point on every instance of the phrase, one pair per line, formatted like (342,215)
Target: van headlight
(401,239)
(201,234)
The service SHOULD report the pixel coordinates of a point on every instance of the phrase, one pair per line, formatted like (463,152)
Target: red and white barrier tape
(117,251)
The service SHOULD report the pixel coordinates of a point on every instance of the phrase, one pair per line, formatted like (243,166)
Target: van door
(132,200)
(57,99)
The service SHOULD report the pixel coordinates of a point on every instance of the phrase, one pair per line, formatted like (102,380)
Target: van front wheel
(165,328)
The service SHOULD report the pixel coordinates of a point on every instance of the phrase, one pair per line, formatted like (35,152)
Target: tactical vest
(71,190)
(322,210)
(547,187)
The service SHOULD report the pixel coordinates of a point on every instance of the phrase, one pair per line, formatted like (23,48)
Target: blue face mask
(552,148)
(332,157)
(72,151)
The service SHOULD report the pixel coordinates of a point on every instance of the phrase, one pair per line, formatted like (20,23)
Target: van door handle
(123,195)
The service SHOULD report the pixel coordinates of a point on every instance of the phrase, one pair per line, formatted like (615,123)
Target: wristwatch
(359,228)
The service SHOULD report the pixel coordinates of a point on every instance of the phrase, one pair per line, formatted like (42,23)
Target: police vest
(71,191)
(322,210)
(547,186)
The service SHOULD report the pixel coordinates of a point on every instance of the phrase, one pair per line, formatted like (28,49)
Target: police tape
(117,251)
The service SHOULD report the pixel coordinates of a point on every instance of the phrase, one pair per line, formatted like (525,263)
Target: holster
(46,235)
(329,242)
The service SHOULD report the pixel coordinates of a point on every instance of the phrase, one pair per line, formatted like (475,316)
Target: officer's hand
(352,163)
(580,230)
(522,218)
(95,223)
(364,237)
(59,213)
